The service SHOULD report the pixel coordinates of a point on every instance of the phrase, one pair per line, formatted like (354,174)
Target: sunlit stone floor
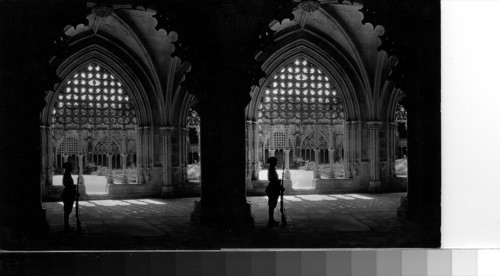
(314,221)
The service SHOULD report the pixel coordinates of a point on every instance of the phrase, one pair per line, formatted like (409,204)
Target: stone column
(138,147)
(287,153)
(287,164)
(65,158)
(317,173)
(80,157)
(354,148)
(43,158)
(184,151)
(50,157)
(374,127)
(166,160)
(347,152)
(255,159)
(223,189)
(331,150)
(331,155)
(148,151)
(110,170)
(249,149)
(124,156)
(391,149)
(124,168)
(271,142)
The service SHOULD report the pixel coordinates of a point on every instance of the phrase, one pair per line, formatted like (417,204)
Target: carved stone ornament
(102,11)
(309,5)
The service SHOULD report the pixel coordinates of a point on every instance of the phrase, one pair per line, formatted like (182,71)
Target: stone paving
(314,221)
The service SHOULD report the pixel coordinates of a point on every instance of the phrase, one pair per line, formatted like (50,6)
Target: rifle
(78,224)
(282,207)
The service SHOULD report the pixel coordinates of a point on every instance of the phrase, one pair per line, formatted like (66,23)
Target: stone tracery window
(94,98)
(310,141)
(301,93)
(279,141)
(68,146)
(106,146)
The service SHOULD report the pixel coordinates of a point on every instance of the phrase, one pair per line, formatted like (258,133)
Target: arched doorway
(93,125)
(400,120)
(301,103)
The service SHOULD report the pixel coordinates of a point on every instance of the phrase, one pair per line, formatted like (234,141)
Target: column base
(287,184)
(288,175)
(331,174)
(215,215)
(167,191)
(403,208)
(317,174)
(374,186)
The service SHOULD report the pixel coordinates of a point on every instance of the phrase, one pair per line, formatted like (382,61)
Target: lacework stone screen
(94,98)
(301,93)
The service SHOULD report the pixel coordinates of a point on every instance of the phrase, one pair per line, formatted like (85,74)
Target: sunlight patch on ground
(292,198)
(315,197)
(153,201)
(86,203)
(133,201)
(360,196)
(343,197)
(109,202)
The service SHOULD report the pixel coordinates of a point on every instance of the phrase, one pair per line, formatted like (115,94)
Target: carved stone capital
(140,130)
(374,125)
(249,125)
(166,130)
(348,125)
(102,11)
(393,126)
(254,125)
(147,130)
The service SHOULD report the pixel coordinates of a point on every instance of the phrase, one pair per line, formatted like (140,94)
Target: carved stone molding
(166,130)
(374,125)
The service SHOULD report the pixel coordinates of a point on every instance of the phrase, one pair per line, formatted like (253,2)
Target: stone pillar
(271,142)
(43,159)
(332,162)
(124,168)
(109,174)
(166,160)
(317,173)
(331,150)
(347,152)
(286,151)
(50,157)
(138,146)
(184,151)
(391,149)
(124,156)
(249,149)
(223,189)
(65,158)
(148,151)
(354,148)
(80,157)
(287,164)
(255,159)
(374,127)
